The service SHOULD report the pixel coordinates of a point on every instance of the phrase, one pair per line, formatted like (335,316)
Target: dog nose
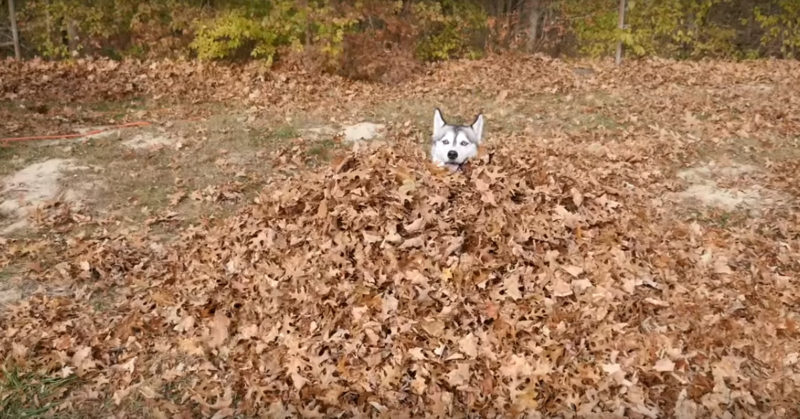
(452,154)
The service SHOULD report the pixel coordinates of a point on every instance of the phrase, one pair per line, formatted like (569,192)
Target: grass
(322,150)
(285,132)
(14,157)
(30,395)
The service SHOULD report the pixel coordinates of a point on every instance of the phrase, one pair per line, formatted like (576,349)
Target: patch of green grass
(272,137)
(30,395)
(135,103)
(321,150)
(6,152)
(8,272)
(285,132)
(259,140)
(600,120)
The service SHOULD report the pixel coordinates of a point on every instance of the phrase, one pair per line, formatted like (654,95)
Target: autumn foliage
(356,38)
(556,276)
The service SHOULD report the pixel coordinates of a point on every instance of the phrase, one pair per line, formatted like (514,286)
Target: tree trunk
(507,11)
(621,26)
(14,32)
(534,16)
(72,36)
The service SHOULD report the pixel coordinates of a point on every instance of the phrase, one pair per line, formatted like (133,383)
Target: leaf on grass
(82,359)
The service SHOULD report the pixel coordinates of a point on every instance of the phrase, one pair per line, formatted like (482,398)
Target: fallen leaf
(416,226)
(511,285)
(82,359)
(298,381)
(412,243)
(459,376)
(656,302)
(664,365)
(248,331)
(190,346)
(186,324)
(575,271)
(469,345)
(433,327)
(561,288)
(219,330)
(579,286)
(418,385)
(223,413)
(577,198)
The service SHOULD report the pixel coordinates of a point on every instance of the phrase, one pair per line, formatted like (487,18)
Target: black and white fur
(453,145)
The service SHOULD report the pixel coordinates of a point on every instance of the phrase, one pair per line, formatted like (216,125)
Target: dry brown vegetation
(627,244)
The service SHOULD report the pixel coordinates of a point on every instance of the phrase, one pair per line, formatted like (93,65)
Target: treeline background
(370,38)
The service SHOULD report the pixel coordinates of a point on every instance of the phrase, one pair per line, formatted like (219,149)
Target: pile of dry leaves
(531,283)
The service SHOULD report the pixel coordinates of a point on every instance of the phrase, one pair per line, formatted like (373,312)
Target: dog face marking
(455,144)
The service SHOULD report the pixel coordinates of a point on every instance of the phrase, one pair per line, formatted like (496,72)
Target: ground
(626,244)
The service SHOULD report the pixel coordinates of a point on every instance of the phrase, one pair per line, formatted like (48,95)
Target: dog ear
(438,122)
(477,128)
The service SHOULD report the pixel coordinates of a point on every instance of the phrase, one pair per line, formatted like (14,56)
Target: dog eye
(464,143)
(445,142)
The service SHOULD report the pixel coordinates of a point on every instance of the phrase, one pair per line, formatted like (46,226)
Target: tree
(621,27)
(12,17)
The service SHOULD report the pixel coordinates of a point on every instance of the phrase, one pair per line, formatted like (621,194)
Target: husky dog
(453,145)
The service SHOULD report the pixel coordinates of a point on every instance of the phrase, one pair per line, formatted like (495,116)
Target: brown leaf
(664,365)
(186,324)
(575,271)
(577,197)
(579,286)
(415,226)
(459,376)
(511,285)
(412,243)
(19,351)
(223,413)
(561,288)
(418,385)
(218,333)
(298,381)
(248,331)
(190,346)
(82,359)
(433,327)
(469,345)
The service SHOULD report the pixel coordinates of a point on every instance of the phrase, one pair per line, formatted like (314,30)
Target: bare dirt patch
(9,294)
(148,141)
(363,131)
(33,186)
(726,187)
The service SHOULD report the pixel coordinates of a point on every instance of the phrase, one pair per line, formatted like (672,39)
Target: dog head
(453,145)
